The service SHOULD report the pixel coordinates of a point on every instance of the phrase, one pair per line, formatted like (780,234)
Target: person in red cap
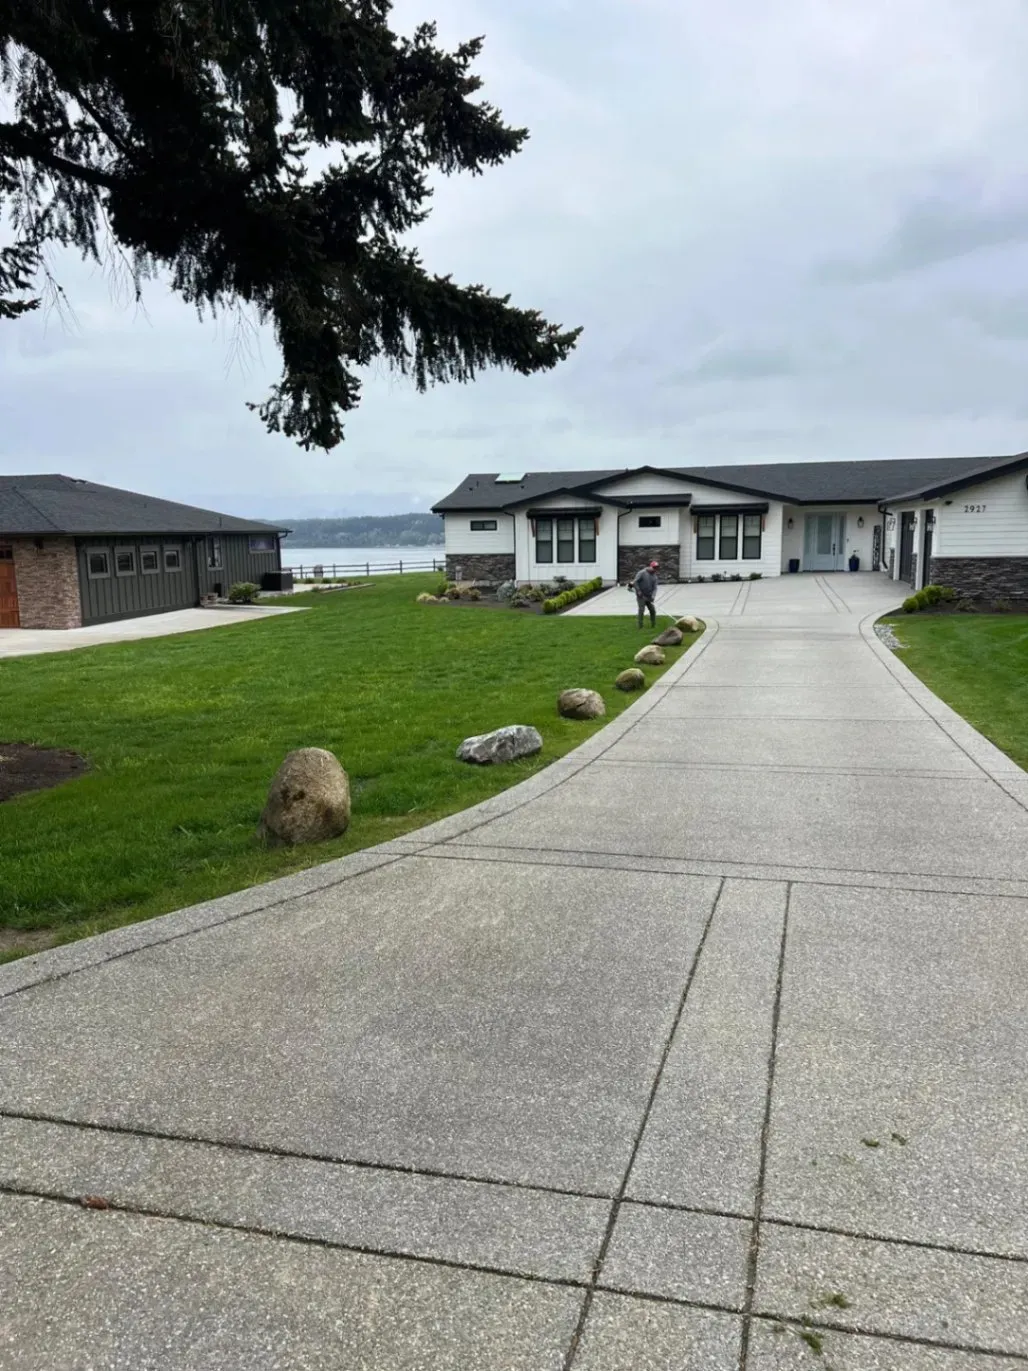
(645,587)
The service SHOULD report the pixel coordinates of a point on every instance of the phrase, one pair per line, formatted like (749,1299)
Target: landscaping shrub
(474,594)
(755,575)
(243,593)
(452,593)
(570,597)
(910,605)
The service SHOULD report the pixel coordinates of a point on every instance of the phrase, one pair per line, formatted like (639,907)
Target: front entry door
(9,617)
(824,542)
(906,544)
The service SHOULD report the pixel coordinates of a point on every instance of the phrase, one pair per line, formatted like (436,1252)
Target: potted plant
(854,562)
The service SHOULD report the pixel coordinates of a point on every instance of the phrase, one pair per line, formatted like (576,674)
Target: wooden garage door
(8,590)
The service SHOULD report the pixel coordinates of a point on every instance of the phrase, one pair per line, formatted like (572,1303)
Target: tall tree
(181,131)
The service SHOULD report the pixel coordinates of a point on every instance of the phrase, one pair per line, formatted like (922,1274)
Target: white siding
(606,564)
(460,541)
(648,483)
(634,536)
(988,520)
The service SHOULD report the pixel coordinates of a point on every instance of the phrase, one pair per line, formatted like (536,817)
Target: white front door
(824,542)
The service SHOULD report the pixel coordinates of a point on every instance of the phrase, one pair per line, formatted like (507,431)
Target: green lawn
(978,664)
(185,733)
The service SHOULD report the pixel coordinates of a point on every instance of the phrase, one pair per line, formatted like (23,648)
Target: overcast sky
(791,229)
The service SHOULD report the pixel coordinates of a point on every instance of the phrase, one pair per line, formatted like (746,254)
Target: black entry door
(906,544)
(926,563)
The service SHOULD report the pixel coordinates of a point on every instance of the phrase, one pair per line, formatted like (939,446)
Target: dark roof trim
(686,477)
(757,508)
(573,492)
(572,511)
(973,477)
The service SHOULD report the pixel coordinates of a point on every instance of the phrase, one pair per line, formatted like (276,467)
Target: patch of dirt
(24,768)
(23,941)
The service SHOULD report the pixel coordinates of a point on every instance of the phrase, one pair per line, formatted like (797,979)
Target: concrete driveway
(704,1049)
(31,642)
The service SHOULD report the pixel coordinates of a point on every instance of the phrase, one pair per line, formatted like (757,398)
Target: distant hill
(367,530)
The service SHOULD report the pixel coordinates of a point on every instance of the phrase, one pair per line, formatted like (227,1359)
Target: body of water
(353,561)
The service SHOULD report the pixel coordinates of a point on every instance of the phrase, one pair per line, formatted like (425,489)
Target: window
(149,561)
(650,520)
(125,561)
(544,540)
(565,540)
(729,537)
(172,559)
(98,563)
(705,538)
(751,536)
(214,554)
(483,526)
(587,540)
(264,542)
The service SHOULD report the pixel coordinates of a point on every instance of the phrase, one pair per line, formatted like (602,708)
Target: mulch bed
(24,768)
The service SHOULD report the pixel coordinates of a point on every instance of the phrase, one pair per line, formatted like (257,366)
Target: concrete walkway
(705,1049)
(30,642)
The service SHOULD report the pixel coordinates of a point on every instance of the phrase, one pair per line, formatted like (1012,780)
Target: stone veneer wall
(992,578)
(48,583)
(913,570)
(481,566)
(633,559)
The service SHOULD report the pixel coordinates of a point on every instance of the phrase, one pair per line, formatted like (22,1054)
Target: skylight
(511,478)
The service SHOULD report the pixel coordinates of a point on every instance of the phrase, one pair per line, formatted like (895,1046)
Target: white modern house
(959,521)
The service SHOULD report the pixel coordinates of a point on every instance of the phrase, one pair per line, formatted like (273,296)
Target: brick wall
(493,567)
(48,583)
(633,559)
(990,578)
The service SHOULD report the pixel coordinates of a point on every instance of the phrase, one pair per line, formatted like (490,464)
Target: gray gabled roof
(800,483)
(39,505)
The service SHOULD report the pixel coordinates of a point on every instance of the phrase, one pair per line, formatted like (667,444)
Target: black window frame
(751,539)
(484,525)
(129,552)
(103,552)
(651,521)
(563,544)
(587,522)
(174,550)
(702,538)
(153,552)
(541,542)
(214,553)
(731,540)
(270,539)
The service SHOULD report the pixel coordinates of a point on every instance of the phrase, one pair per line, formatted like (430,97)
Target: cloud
(789,231)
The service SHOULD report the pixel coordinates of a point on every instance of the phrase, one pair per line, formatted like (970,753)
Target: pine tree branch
(34,149)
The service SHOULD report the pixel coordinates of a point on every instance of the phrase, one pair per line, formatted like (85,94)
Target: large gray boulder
(632,679)
(581,704)
(671,637)
(502,745)
(309,800)
(649,656)
(688,623)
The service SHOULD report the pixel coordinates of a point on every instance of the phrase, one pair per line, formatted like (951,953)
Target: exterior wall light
(860,521)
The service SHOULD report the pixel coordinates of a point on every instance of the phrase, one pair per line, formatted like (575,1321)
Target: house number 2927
(974,509)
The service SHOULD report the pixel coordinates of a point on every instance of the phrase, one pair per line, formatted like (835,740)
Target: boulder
(649,656)
(502,745)
(580,704)
(671,637)
(632,679)
(688,624)
(309,800)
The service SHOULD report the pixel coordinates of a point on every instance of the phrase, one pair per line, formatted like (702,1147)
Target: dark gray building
(74,553)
